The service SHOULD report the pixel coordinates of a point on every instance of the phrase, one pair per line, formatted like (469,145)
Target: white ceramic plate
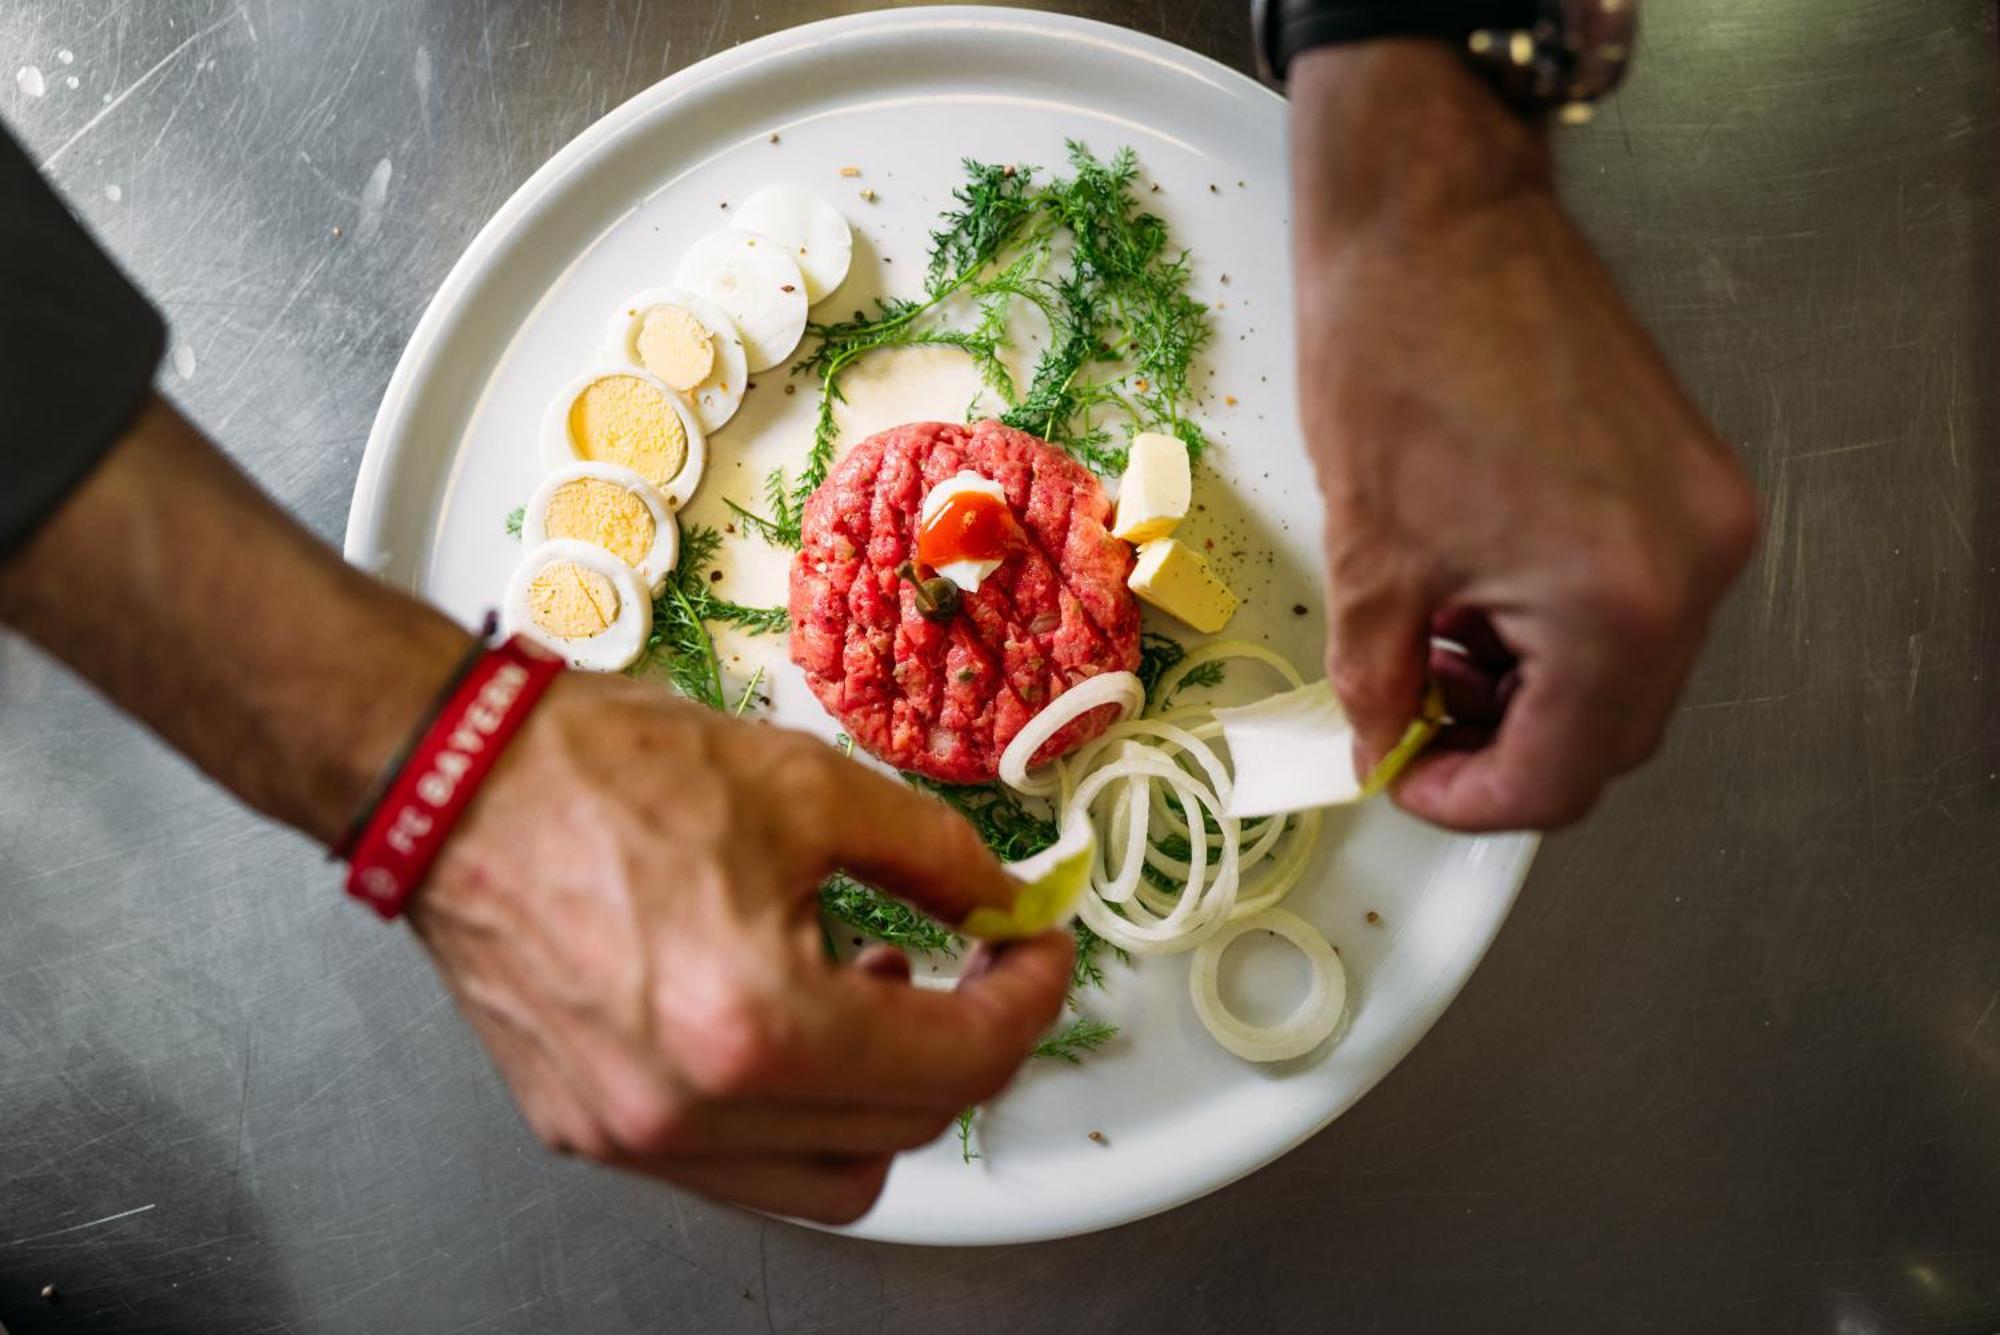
(904,95)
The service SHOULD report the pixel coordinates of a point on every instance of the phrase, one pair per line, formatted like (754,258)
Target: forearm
(1397,137)
(170,582)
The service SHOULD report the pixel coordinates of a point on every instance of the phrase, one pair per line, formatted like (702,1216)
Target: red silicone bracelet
(446,767)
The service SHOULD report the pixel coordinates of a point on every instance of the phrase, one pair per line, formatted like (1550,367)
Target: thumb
(1378,645)
(916,848)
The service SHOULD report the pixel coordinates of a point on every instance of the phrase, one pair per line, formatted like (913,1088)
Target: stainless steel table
(1733,1066)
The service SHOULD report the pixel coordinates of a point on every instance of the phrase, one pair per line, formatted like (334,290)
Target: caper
(937,597)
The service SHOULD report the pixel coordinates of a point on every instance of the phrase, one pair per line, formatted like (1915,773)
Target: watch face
(1575,53)
(1598,35)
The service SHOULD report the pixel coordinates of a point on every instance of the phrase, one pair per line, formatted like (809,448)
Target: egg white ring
(715,399)
(559,451)
(771,319)
(665,554)
(620,644)
(816,235)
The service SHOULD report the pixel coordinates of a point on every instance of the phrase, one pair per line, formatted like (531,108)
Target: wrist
(1397,136)
(378,699)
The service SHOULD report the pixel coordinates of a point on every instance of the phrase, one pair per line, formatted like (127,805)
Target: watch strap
(1290,27)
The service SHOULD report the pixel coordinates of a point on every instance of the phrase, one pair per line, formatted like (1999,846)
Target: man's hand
(1506,459)
(627,911)
(628,916)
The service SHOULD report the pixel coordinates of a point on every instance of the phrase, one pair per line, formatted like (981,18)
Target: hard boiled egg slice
(812,231)
(633,419)
(582,602)
(609,507)
(688,342)
(754,279)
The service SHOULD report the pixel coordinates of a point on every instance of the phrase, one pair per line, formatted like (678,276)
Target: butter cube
(1173,577)
(1153,493)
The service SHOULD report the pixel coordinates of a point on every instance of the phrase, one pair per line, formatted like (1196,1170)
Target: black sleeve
(78,348)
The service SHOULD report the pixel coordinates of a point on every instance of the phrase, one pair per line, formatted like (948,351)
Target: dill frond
(1073,1040)
(875,914)
(1123,330)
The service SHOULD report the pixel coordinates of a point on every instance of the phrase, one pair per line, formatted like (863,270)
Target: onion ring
(1306,1027)
(1110,688)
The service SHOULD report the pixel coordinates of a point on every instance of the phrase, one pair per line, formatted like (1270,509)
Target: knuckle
(805,774)
(1638,601)
(1559,809)
(855,1192)
(1643,741)
(732,1048)
(1514,803)
(586,1139)
(647,1126)
(933,1128)
(1351,679)
(1735,523)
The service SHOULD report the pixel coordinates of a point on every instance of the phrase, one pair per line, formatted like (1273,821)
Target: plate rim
(389,440)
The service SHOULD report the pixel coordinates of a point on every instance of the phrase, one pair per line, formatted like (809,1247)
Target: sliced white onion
(1153,778)
(1276,881)
(1110,688)
(1216,651)
(1174,738)
(1204,902)
(1306,1027)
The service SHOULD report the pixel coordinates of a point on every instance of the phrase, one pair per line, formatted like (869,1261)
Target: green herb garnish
(1088,970)
(1123,331)
(681,644)
(515,518)
(1009,828)
(1158,655)
(965,1151)
(1079,1036)
(875,914)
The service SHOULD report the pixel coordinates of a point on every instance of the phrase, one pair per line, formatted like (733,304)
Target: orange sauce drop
(969,526)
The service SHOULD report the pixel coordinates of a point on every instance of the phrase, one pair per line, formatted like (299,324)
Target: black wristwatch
(1560,55)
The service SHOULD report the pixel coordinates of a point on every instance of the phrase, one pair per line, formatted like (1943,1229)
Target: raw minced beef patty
(945,699)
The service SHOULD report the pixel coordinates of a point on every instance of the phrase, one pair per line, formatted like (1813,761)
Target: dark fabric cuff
(79,345)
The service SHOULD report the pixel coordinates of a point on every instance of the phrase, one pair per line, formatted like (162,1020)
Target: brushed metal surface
(1734,1064)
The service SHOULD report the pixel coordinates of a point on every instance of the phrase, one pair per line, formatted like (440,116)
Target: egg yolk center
(675,346)
(593,510)
(620,419)
(571,602)
(968,526)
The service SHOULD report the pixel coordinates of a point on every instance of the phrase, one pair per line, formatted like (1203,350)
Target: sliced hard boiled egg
(754,279)
(610,507)
(978,531)
(582,602)
(689,343)
(812,231)
(633,419)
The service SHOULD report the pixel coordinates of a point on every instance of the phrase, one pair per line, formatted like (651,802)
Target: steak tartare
(943,698)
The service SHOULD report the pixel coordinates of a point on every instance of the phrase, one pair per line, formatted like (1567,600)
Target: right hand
(628,917)
(1506,458)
